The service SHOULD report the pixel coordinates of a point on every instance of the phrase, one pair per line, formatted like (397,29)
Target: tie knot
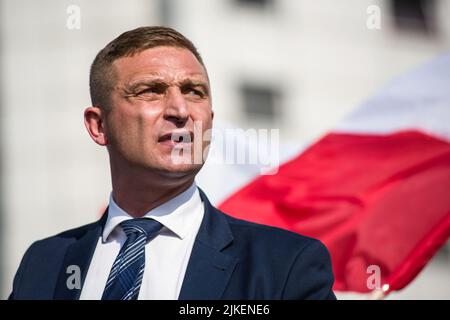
(146,226)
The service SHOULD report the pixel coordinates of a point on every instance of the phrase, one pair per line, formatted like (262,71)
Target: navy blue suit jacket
(231,259)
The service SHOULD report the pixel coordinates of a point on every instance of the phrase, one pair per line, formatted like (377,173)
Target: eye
(155,89)
(152,89)
(193,91)
(196,92)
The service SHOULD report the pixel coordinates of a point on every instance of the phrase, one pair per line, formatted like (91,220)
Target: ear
(93,120)
(212,114)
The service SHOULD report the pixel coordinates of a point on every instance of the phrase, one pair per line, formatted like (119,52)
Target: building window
(260,102)
(414,15)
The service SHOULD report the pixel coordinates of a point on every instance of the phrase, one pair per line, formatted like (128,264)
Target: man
(160,238)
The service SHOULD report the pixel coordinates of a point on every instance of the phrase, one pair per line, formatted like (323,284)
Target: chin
(181,169)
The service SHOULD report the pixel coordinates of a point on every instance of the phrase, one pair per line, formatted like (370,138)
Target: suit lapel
(209,269)
(78,254)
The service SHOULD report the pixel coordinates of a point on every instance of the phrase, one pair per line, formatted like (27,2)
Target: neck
(139,193)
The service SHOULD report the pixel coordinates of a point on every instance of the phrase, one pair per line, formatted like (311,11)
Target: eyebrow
(133,86)
(144,83)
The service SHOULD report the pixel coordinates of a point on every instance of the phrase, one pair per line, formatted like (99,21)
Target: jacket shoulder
(41,262)
(268,234)
(67,236)
(301,265)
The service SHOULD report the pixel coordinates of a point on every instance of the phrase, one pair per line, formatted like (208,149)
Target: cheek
(203,114)
(131,127)
(205,120)
(147,123)
(207,125)
(121,125)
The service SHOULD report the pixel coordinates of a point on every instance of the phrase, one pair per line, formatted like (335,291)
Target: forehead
(168,63)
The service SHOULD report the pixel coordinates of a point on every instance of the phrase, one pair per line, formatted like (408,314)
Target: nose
(176,110)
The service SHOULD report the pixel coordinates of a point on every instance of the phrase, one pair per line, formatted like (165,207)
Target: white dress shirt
(166,256)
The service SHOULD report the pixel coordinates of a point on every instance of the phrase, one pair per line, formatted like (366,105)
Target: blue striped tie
(125,278)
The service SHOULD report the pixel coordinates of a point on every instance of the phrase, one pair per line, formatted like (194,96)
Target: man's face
(158,95)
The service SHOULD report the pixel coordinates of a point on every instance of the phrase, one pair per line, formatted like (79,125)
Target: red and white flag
(375,191)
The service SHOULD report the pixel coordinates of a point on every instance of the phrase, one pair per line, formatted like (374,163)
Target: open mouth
(176,137)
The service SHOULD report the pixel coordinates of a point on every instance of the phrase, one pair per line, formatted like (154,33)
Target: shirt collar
(175,214)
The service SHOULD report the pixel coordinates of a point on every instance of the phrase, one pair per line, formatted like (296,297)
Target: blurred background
(296,65)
